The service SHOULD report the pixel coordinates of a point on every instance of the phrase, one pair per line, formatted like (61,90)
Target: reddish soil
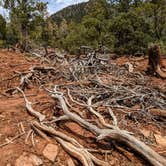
(13,113)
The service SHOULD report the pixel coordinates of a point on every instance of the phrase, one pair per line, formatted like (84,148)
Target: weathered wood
(29,108)
(114,134)
(70,145)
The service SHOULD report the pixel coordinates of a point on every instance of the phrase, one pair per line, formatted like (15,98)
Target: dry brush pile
(92,93)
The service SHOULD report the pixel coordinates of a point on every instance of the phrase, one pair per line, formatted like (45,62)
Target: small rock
(28,160)
(70,162)
(8,164)
(145,132)
(36,160)
(50,152)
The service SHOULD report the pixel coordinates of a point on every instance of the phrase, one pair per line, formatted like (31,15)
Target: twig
(12,139)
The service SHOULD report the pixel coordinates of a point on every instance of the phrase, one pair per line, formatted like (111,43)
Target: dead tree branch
(70,145)
(29,108)
(116,134)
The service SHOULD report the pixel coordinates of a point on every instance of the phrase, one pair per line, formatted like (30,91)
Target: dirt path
(13,115)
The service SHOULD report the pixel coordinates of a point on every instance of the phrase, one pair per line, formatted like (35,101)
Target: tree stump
(155,62)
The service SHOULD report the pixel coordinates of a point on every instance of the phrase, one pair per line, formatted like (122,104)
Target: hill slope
(71,13)
(16,138)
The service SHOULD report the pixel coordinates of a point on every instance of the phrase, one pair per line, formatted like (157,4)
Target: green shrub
(1,43)
(131,32)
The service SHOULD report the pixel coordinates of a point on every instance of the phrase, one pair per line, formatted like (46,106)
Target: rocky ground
(21,146)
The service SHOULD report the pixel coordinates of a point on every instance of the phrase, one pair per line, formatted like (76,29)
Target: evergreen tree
(22,14)
(2,28)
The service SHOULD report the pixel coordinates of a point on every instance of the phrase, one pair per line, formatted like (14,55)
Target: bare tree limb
(29,108)
(116,134)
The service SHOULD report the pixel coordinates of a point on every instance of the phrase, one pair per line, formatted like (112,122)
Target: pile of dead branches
(100,126)
(91,84)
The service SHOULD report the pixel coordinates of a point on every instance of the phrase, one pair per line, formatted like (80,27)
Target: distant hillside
(71,13)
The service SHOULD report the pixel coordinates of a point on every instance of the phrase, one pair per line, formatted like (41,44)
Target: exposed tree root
(160,72)
(116,134)
(105,132)
(70,145)
(29,108)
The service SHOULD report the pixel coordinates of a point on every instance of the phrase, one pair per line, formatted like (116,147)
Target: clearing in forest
(80,111)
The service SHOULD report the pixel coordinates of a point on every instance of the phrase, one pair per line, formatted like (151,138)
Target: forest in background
(122,26)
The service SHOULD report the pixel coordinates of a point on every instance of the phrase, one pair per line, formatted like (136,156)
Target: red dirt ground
(13,113)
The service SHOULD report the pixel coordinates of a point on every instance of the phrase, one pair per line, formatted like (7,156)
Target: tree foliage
(2,28)
(123,26)
(22,16)
(132,33)
(126,27)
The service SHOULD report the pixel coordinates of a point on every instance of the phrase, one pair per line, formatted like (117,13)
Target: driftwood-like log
(70,145)
(114,134)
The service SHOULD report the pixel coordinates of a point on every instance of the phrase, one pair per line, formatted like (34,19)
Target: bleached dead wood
(114,134)
(70,145)
(11,140)
(36,54)
(29,108)
(130,67)
(32,73)
(121,92)
(161,73)
(100,117)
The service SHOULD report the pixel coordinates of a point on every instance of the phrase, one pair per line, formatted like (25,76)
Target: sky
(53,5)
